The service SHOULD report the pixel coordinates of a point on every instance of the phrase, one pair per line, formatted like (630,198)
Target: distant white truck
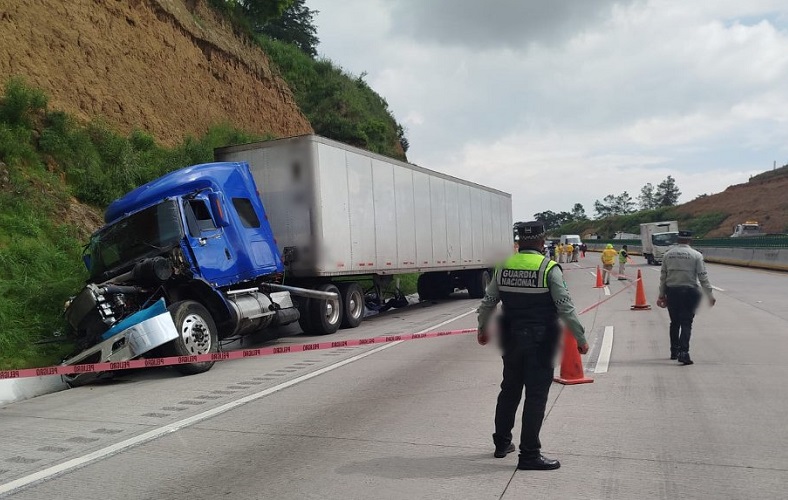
(749,228)
(573,239)
(657,238)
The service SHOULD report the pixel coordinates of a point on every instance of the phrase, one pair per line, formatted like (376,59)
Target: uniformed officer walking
(534,296)
(682,269)
(622,262)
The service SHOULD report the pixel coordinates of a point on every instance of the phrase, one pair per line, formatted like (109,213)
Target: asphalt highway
(414,419)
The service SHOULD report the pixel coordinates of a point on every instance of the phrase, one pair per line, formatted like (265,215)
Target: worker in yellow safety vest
(568,250)
(609,255)
(559,253)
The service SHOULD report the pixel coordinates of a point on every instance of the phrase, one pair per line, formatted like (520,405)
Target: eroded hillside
(764,199)
(171,67)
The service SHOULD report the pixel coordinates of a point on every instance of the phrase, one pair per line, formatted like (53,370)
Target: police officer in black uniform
(534,296)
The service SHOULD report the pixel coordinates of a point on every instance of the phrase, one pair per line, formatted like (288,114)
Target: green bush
(338,105)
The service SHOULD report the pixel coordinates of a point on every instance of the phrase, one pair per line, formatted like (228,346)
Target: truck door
(208,242)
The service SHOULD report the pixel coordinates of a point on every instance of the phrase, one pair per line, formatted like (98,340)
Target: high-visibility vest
(522,285)
(622,256)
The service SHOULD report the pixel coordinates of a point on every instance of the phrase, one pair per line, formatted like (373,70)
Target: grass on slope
(47,158)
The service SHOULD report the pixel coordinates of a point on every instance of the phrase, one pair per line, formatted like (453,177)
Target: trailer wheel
(324,316)
(476,282)
(352,296)
(197,335)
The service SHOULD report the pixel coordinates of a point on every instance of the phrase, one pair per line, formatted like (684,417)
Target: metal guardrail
(747,242)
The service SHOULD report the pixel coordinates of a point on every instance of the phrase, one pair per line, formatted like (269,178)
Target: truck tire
(476,282)
(324,316)
(197,335)
(352,296)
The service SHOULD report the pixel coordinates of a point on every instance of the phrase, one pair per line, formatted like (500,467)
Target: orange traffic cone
(640,296)
(571,364)
(599,283)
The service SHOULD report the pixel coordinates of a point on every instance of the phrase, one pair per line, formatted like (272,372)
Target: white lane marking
(655,269)
(718,288)
(577,264)
(180,424)
(604,352)
(607,290)
(592,273)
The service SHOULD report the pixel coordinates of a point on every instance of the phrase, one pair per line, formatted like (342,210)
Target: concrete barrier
(775,259)
(19,389)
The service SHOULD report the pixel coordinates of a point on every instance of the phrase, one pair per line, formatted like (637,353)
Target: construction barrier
(775,259)
(217,356)
(245,353)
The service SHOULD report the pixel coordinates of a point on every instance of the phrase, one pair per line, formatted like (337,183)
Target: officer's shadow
(429,467)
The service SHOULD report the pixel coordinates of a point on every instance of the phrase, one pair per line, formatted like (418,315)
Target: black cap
(532,230)
(685,235)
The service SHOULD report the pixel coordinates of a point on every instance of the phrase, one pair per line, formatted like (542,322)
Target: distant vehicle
(749,228)
(657,238)
(574,239)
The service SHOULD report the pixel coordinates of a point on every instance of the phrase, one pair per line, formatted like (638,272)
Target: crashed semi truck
(303,230)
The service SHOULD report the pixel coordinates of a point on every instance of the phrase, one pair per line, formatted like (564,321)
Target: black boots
(502,451)
(539,463)
(684,358)
(674,353)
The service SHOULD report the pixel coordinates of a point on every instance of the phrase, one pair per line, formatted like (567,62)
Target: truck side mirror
(217,207)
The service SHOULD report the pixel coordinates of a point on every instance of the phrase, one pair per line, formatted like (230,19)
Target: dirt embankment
(763,199)
(170,67)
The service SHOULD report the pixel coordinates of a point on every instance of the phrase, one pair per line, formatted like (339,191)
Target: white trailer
(338,211)
(657,238)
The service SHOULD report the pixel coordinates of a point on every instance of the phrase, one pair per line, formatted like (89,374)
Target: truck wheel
(325,316)
(476,282)
(352,304)
(197,335)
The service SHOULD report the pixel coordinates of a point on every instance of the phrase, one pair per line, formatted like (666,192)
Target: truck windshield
(665,240)
(144,233)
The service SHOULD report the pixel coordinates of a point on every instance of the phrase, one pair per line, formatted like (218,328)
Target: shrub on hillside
(338,105)
(40,253)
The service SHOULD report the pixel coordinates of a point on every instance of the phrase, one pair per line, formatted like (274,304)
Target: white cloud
(568,109)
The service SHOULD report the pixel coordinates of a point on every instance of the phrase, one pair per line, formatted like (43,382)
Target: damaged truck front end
(183,262)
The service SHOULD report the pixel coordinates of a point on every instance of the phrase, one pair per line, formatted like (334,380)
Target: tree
(614,205)
(623,204)
(295,25)
(578,212)
(667,193)
(606,207)
(647,199)
(251,13)
(548,218)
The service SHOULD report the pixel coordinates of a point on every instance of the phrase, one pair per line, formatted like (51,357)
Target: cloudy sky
(565,101)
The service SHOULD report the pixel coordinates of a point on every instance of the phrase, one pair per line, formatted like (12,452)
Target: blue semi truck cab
(183,262)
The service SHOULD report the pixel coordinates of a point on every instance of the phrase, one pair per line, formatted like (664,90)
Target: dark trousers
(527,362)
(682,304)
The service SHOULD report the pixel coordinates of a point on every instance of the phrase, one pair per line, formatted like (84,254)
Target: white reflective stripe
(517,289)
(542,269)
